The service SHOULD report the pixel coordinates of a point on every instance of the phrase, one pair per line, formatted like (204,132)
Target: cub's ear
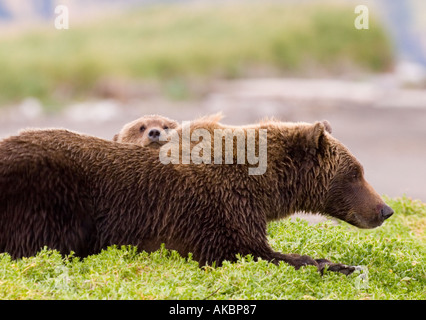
(318,132)
(173,125)
(115,138)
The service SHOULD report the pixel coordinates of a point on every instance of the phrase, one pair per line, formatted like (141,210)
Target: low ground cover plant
(391,259)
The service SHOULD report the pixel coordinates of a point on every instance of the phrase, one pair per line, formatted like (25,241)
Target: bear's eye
(355,175)
(165,127)
(142,129)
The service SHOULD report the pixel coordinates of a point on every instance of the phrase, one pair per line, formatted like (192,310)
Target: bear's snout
(386,212)
(154,134)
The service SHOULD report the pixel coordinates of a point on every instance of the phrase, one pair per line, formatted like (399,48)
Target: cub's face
(146,131)
(351,198)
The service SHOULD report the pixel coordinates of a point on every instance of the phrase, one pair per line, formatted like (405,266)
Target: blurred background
(294,60)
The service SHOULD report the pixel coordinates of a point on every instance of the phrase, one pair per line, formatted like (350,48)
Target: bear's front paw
(335,267)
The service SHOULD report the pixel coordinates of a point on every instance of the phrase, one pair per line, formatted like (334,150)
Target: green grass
(177,45)
(392,256)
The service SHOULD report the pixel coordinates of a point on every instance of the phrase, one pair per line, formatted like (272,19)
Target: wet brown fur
(70,191)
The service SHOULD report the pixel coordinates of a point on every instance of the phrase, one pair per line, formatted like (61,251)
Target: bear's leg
(213,249)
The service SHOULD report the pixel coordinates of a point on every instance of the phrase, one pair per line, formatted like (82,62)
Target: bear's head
(348,195)
(146,131)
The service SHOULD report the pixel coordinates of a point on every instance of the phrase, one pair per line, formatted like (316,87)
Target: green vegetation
(176,45)
(392,256)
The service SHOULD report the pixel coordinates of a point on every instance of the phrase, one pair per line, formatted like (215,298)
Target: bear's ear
(115,138)
(327,126)
(318,132)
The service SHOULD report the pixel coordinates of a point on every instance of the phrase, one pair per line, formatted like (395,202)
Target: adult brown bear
(70,191)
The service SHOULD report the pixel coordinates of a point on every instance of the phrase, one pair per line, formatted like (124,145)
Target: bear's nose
(154,134)
(386,212)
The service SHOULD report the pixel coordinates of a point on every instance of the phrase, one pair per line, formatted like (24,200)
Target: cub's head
(146,131)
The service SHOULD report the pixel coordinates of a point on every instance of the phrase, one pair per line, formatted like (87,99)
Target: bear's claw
(335,267)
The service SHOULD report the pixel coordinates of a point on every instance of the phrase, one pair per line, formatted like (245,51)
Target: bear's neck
(303,174)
